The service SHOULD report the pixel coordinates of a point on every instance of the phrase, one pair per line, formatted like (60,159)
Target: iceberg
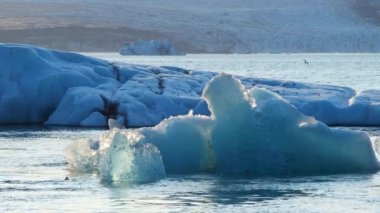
(49,87)
(152,47)
(249,132)
(34,80)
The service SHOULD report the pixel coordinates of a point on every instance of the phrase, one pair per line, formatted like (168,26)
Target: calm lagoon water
(33,166)
(359,71)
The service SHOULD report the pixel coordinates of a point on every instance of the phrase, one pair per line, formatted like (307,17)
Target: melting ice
(253,132)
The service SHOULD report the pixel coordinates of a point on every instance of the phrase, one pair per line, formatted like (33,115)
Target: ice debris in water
(118,156)
(252,132)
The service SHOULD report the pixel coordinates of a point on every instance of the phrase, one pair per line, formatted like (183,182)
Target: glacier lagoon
(212,192)
(33,168)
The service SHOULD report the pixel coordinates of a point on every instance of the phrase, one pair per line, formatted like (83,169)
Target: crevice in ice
(110,108)
(161,81)
(116,71)
(161,85)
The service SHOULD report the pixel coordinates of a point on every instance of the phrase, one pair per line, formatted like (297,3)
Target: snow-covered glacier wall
(42,86)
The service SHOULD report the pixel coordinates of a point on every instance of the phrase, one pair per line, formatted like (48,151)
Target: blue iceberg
(42,86)
(249,132)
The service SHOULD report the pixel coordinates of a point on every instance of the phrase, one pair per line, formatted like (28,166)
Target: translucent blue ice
(252,132)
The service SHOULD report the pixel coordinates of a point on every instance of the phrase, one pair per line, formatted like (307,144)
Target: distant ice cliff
(152,47)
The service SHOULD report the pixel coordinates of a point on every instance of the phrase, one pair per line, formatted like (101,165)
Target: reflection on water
(197,189)
(33,170)
(222,193)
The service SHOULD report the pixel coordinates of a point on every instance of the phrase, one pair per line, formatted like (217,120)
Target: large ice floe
(42,86)
(249,132)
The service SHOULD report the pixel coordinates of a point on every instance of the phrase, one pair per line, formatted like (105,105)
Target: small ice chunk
(115,124)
